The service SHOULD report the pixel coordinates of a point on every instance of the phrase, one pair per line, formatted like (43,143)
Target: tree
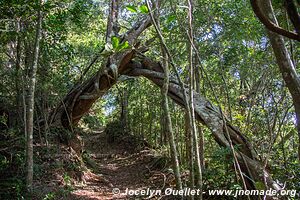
(168,123)
(285,64)
(79,100)
(272,24)
(222,75)
(194,133)
(31,98)
(165,105)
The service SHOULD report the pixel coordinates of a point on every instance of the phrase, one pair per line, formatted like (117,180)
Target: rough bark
(210,115)
(80,99)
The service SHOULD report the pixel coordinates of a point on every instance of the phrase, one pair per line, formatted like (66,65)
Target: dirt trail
(113,167)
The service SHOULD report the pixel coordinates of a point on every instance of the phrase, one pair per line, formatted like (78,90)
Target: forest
(149,99)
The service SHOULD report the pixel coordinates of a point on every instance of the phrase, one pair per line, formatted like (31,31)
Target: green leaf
(144,9)
(259,185)
(171,18)
(124,45)
(115,42)
(131,8)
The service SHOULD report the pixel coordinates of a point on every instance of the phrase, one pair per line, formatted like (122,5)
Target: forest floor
(117,168)
(111,168)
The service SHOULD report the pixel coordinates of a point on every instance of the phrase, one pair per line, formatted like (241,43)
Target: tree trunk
(205,112)
(200,131)
(187,133)
(30,101)
(168,123)
(124,108)
(18,80)
(195,140)
(210,115)
(79,100)
(286,66)
(82,96)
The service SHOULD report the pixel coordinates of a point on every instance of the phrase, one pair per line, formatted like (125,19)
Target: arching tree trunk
(210,115)
(80,99)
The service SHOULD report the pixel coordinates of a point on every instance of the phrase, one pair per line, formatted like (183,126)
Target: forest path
(113,169)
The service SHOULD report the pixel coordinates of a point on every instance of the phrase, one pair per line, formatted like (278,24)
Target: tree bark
(205,112)
(210,115)
(82,96)
(270,25)
(168,125)
(79,100)
(124,108)
(30,100)
(195,141)
(285,64)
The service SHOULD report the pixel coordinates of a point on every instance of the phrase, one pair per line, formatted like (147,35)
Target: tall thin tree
(166,111)
(192,113)
(168,125)
(31,97)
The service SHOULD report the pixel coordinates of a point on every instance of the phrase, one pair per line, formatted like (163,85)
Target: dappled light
(195,99)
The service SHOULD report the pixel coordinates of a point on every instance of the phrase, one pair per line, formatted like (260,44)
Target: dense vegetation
(73,61)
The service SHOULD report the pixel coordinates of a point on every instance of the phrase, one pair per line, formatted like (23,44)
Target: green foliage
(287,170)
(4,162)
(260,185)
(62,193)
(62,134)
(12,188)
(50,196)
(131,8)
(12,167)
(237,66)
(116,46)
(115,42)
(220,171)
(144,9)
(124,45)
(92,121)
(67,179)
(96,117)
(3,120)
(115,130)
